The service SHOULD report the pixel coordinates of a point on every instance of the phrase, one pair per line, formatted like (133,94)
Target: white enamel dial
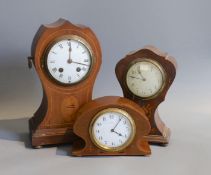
(69,61)
(145,78)
(113,129)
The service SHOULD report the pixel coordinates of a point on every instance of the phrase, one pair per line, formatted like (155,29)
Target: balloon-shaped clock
(67,59)
(145,77)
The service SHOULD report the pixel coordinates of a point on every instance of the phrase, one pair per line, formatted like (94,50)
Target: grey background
(180,27)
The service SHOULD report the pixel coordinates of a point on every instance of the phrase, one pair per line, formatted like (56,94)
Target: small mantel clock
(67,58)
(111,126)
(145,77)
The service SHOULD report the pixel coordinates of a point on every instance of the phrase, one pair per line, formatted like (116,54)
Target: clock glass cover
(145,78)
(112,129)
(69,60)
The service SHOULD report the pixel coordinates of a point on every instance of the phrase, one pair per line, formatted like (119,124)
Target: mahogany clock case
(85,145)
(52,123)
(159,133)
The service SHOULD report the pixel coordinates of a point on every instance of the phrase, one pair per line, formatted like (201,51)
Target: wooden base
(162,138)
(50,136)
(79,149)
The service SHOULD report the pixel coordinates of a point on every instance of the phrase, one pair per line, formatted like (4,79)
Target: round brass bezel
(161,69)
(112,149)
(58,39)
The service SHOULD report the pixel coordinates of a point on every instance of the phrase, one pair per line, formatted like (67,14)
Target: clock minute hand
(117,124)
(80,63)
(134,77)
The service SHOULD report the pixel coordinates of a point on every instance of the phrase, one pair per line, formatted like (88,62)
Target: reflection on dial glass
(68,61)
(145,79)
(112,130)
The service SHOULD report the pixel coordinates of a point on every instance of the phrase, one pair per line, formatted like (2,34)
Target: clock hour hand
(112,130)
(140,73)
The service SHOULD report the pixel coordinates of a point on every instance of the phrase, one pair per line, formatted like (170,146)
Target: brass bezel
(160,67)
(56,40)
(112,149)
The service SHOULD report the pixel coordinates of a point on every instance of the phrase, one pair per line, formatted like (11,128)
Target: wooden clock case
(86,147)
(53,122)
(159,133)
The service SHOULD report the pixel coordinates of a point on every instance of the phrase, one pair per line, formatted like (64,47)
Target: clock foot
(49,136)
(54,136)
(159,139)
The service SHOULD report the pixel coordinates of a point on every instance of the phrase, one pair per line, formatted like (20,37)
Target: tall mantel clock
(67,59)
(145,77)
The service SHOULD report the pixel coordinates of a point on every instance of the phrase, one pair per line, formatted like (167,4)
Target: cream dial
(112,129)
(145,78)
(69,61)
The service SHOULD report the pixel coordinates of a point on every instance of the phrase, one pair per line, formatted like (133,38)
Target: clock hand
(79,63)
(135,77)
(140,73)
(117,124)
(69,58)
(112,130)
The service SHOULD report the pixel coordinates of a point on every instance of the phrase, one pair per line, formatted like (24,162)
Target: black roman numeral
(54,69)
(69,43)
(60,45)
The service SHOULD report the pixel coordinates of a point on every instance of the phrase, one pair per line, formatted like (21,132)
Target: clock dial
(113,129)
(145,78)
(69,61)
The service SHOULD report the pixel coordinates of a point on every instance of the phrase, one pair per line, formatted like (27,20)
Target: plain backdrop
(180,27)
